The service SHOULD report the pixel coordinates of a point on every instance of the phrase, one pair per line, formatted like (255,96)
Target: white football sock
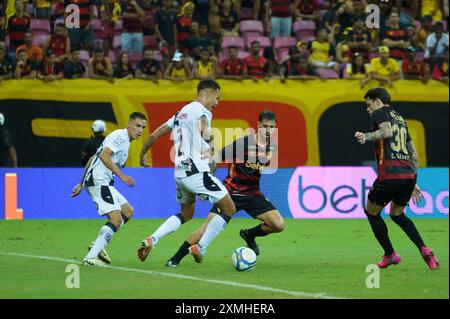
(214,228)
(169,226)
(102,240)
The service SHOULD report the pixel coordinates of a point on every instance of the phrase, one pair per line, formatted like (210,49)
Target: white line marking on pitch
(212,281)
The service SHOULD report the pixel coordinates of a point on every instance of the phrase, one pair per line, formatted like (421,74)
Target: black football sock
(380,231)
(181,253)
(256,231)
(409,228)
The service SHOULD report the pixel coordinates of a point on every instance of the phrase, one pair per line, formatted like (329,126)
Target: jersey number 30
(400,136)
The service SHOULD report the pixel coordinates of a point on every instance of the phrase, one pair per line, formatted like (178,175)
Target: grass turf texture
(311,256)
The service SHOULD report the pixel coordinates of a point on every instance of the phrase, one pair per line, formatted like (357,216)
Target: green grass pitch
(312,258)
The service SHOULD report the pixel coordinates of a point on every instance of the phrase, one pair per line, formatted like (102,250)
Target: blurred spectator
(124,69)
(384,68)
(8,155)
(336,34)
(59,43)
(99,66)
(2,23)
(179,69)
(433,8)
(18,25)
(109,15)
(413,68)
(34,52)
(148,68)
(42,8)
(256,65)
(214,21)
(25,68)
(307,10)
(90,146)
(229,19)
(253,6)
(82,36)
(166,31)
(148,23)
(233,68)
(436,44)
(303,49)
(358,70)
(359,39)
(322,54)
(201,11)
(74,68)
(413,38)
(205,68)
(279,14)
(200,41)
(57,12)
(49,70)
(343,52)
(184,22)
(6,65)
(426,28)
(297,67)
(440,71)
(132,37)
(272,64)
(350,12)
(395,38)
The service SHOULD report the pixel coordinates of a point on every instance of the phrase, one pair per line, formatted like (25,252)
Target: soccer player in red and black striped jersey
(248,156)
(397,175)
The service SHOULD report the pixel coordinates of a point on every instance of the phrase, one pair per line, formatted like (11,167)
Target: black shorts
(253,205)
(398,191)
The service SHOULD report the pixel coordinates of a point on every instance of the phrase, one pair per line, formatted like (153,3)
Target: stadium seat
(39,26)
(117,41)
(233,41)
(118,28)
(84,57)
(39,40)
(263,41)
(282,54)
(150,41)
(327,73)
(112,57)
(303,29)
(135,57)
(251,28)
(284,42)
(97,28)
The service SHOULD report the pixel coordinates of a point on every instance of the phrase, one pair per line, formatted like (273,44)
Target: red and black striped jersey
(393,158)
(84,7)
(247,160)
(17,27)
(281,8)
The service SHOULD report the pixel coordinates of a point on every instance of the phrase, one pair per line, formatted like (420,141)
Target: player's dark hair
(267,115)
(379,93)
(137,115)
(207,84)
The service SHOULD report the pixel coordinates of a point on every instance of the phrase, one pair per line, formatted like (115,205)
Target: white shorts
(106,198)
(199,184)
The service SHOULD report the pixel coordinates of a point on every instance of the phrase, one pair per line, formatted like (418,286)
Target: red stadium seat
(327,73)
(117,41)
(84,57)
(150,41)
(39,26)
(233,41)
(39,40)
(263,41)
(251,28)
(303,29)
(118,28)
(282,54)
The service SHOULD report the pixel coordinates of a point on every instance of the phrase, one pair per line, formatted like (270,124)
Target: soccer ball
(243,259)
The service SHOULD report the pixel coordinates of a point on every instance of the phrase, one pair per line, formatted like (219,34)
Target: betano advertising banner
(303,193)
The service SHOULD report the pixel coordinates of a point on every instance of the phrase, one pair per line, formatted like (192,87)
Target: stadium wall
(317,119)
(302,192)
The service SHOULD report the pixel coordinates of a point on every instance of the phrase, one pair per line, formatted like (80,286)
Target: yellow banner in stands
(301,103)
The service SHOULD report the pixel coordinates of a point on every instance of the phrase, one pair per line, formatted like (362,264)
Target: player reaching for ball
(397,163)
(248,156)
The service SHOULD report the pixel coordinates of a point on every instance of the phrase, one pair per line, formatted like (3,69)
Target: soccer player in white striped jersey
(191,128)
(98,179)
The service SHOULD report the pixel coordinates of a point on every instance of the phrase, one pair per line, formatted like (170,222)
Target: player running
(191,128)
(397,175)
(98,179)
(249,156)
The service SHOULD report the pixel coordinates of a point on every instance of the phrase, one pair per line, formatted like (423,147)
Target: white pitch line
(157,273)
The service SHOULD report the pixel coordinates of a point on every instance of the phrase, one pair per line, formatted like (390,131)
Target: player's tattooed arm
(413,153)
(151,140)
(385,131)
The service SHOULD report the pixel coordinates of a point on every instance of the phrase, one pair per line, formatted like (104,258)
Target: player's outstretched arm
(385,131)
(79,187)
(105,157)
(151,140)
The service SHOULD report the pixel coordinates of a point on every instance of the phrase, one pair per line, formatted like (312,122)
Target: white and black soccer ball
(243,259)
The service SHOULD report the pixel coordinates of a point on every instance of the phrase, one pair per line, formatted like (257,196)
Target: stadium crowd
(235,39)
